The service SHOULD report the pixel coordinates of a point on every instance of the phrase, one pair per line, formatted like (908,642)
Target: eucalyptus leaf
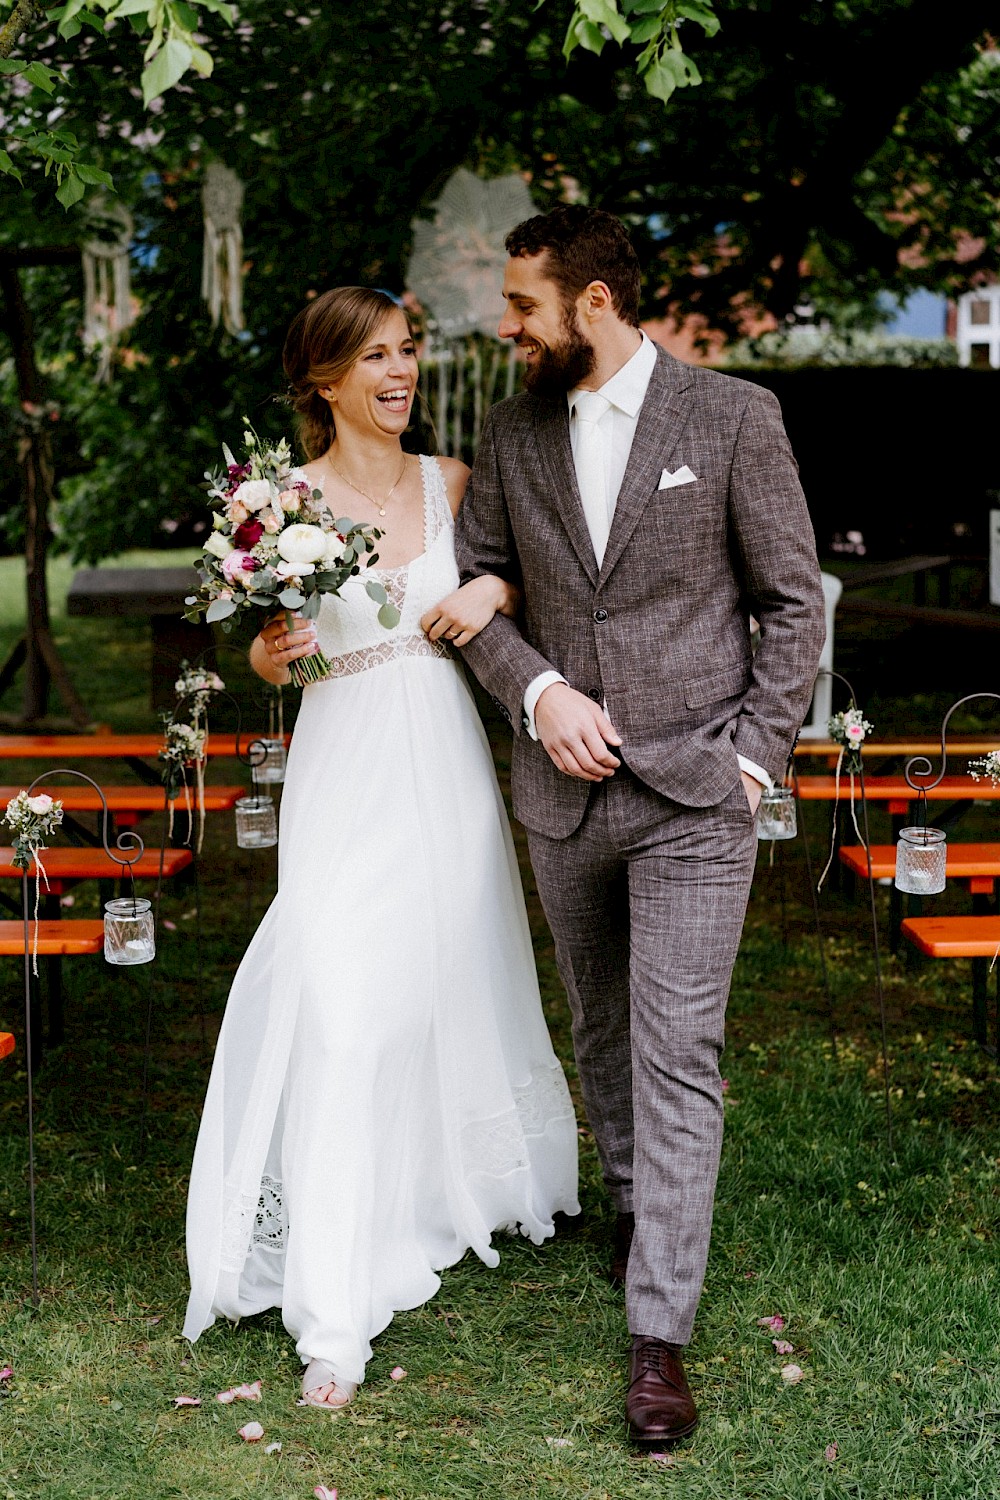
(377,592)
(219,609)
(312,606)
(388,616)
(344,525)
(292,599)
(264,600)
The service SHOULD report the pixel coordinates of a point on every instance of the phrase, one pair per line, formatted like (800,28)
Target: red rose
(248,534)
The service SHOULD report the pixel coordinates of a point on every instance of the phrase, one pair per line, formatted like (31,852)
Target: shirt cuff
(757,772)
(532,693)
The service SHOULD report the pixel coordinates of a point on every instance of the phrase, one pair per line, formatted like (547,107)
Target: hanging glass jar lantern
(128,931)
(271,769)
(921,857)
(776,818)
(256,824)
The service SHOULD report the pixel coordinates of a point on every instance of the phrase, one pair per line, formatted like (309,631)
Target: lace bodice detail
(348,628)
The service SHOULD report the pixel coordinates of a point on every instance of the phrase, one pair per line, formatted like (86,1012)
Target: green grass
(885,1269)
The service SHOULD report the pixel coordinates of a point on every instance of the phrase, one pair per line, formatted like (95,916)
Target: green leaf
(66,15)
(167,68)
(8,65)
(220,8)
(670,71)
(185,15)
(388,616)
(345,525)
(644,31)
(312,606)
(93,176)
(292,599)
(377,592)
(70,190)
(6,165)
(202,61)
(132,8)
(695,10)
(42,77)
(605,13)
(219,609)
(264,600)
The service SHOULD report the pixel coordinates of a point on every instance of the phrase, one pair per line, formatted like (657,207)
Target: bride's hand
(463,614)
(276,647)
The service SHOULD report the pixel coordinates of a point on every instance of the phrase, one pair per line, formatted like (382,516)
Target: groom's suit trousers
(646,901)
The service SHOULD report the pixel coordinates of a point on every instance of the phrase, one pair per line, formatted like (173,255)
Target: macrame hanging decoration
(108,310)
(222,264)
(456,271)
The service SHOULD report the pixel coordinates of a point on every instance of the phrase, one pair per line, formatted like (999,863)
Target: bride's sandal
(319,1378)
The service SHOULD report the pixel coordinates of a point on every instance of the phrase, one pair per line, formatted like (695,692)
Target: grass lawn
(884,1270)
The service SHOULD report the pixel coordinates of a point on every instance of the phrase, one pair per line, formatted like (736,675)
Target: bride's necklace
(380,505)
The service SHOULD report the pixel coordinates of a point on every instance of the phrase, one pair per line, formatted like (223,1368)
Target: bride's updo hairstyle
(324,341)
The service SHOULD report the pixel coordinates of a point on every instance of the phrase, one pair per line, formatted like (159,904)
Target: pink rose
(272,523)
(238,567)
(290,500)
(855,732)
(236,511)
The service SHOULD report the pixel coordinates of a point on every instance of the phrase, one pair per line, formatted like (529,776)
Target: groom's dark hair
(584,245)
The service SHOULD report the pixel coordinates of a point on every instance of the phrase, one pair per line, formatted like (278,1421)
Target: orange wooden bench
(126,803)
(881,749)
(64,866)
(6,1044)
(56,747)
(977,938)
(895,791)
(56,938)
(977,865)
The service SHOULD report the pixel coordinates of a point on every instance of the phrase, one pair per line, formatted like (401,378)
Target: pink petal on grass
(252,1432)
(180,1401)
(6,1372)
(782,1346)
(776,1323)
(725,1090)
(398,1373)
(249,1392)
(226,1396)
(792,1374)
(662,1458)
(322,1492)
(830,1453)
(168,925)
(273,1448)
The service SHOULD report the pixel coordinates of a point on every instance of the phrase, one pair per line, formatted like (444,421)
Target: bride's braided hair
(322,344)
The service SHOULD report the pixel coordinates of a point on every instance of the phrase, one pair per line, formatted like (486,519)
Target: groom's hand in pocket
(576,733)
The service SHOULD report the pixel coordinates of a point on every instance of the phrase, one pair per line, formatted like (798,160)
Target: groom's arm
(773,533)
(484,543)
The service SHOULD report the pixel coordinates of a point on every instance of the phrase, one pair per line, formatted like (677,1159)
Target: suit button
(594,693)
(600,615)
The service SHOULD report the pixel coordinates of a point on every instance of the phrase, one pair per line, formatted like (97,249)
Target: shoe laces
(650,1357)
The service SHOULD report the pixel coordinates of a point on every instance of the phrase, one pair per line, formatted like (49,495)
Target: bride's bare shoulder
(456,477)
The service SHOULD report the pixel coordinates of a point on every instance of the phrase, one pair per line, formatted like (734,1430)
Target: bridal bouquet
(276,545)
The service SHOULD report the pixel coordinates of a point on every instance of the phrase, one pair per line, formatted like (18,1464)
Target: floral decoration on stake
(849,730)
(34,820)
(184,746)
(987,768)
(275,545)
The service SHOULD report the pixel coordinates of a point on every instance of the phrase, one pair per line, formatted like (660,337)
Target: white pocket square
(682,475)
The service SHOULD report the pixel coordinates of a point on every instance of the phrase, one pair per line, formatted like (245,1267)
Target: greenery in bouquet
(275,545)
(849,730)
(34,820)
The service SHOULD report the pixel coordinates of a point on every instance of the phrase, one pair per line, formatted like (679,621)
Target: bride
(384,1094)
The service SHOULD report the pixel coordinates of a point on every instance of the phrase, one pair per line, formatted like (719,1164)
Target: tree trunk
(41,660)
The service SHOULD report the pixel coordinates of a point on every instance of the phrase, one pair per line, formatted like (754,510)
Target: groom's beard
(563,367)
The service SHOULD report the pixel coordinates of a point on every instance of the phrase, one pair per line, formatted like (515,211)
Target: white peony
(334,549)
(220,546)
(302,543)
(40,804)
(294,569)
(253,493)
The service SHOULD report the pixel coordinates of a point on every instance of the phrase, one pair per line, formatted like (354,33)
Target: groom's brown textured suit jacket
(660,632)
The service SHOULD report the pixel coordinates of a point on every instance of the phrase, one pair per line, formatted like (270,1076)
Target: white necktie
(589,407)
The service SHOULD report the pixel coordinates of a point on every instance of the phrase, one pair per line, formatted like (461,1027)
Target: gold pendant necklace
(380,505)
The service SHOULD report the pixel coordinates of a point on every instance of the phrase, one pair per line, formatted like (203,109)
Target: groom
(646,509)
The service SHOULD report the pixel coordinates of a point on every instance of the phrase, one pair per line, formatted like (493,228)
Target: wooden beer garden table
(136,750)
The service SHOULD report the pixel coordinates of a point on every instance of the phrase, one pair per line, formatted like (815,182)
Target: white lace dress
(384,1094)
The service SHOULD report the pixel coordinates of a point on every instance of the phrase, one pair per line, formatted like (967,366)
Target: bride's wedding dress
(384,1094)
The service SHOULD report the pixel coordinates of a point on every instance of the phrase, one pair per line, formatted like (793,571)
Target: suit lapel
(552,430)
(662,419)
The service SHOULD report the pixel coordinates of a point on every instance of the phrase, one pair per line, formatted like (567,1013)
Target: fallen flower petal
(273,1448)
(226,1396)
(252,1432)
(398,1373)
(248,1392)
(6,1372)
(186,1401)
(791,1374)
(323,1493)
(170,926)
(662,1458)
(725,1090)
(776,1323)
(559,1442)
(830,1452)
(782,1346)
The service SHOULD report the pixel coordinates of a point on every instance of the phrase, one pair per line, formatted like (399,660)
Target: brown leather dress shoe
(624,1230)
(659,1405)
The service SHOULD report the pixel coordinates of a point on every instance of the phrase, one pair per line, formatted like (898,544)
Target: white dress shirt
(625,392)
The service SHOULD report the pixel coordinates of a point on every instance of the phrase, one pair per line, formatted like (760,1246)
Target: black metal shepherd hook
(919,765)
(825,672)
(131,849)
